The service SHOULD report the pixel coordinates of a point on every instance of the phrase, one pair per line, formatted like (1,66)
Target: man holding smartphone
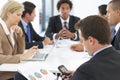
(105,59)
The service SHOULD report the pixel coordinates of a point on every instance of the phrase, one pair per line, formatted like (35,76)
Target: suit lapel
(59,23)
(21,25)
(116,37)
(70,23)
(118,33)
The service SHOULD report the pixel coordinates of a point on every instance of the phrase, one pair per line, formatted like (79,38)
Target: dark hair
(28,8)
(115,4)
(64,1)
(102,9)
(96,27)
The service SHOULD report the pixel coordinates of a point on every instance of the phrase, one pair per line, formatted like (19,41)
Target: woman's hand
(17,30)
(32,51)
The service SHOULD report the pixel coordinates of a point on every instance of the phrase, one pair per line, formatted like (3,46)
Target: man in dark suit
(31,37)
(58,24)
(113,14)
(104,64)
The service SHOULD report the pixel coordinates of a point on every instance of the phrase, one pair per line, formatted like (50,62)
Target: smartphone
(64,70)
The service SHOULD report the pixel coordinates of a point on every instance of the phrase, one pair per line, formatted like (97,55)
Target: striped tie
(65,25)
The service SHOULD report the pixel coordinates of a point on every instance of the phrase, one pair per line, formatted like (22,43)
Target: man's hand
(77,47)
(67,77)
(65,33)
(48,41)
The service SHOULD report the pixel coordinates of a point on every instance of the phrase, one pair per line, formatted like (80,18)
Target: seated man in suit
(105,59)
(113,14)
(62,26)
(102,11)
(31,37)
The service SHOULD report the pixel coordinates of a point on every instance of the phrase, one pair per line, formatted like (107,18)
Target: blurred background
(47,8)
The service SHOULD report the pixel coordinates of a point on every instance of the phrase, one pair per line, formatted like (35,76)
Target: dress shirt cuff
(75,36)
(54,36)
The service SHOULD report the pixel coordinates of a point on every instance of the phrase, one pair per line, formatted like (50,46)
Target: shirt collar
(96,52)
(62,20)
(24,23)
(5,28)
(117,27)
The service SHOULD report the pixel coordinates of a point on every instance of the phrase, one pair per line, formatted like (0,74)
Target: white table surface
(59,55)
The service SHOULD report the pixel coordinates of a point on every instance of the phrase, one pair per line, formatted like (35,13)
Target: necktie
(113,35)
(65,25)
(114,32)
(28,33)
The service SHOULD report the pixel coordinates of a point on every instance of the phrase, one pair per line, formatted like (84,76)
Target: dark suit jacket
(116,40)
(55,25)
(103,66)
(36,39)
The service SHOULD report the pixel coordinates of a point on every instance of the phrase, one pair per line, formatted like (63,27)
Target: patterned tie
(65,25)
(28,33)
(113,34)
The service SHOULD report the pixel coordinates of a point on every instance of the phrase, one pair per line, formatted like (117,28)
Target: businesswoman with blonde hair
(12,42)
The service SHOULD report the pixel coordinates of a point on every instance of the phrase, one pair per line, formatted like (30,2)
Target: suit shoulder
(74,17)
(54,17)
(86,67)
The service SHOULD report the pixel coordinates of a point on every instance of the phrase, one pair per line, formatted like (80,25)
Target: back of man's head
(96,27)
(102,9)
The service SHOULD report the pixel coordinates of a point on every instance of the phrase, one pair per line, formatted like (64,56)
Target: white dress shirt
(117,27)
(67,24)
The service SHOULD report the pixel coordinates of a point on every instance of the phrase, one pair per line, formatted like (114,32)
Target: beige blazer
(8,53)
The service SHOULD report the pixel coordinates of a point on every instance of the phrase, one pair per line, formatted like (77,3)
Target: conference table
(58,54)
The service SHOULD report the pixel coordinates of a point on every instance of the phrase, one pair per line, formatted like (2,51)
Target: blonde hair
(10,6)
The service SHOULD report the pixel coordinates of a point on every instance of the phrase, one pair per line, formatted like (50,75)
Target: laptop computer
(38,57)
(42,55)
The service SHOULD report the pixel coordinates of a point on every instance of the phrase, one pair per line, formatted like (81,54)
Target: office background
(47,8)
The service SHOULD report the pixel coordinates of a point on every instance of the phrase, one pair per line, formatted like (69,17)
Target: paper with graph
(34,71)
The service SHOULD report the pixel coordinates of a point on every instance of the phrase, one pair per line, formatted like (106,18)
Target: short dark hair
(96,27)
(64,1)
(28,8)
(115,4)
(102,9)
